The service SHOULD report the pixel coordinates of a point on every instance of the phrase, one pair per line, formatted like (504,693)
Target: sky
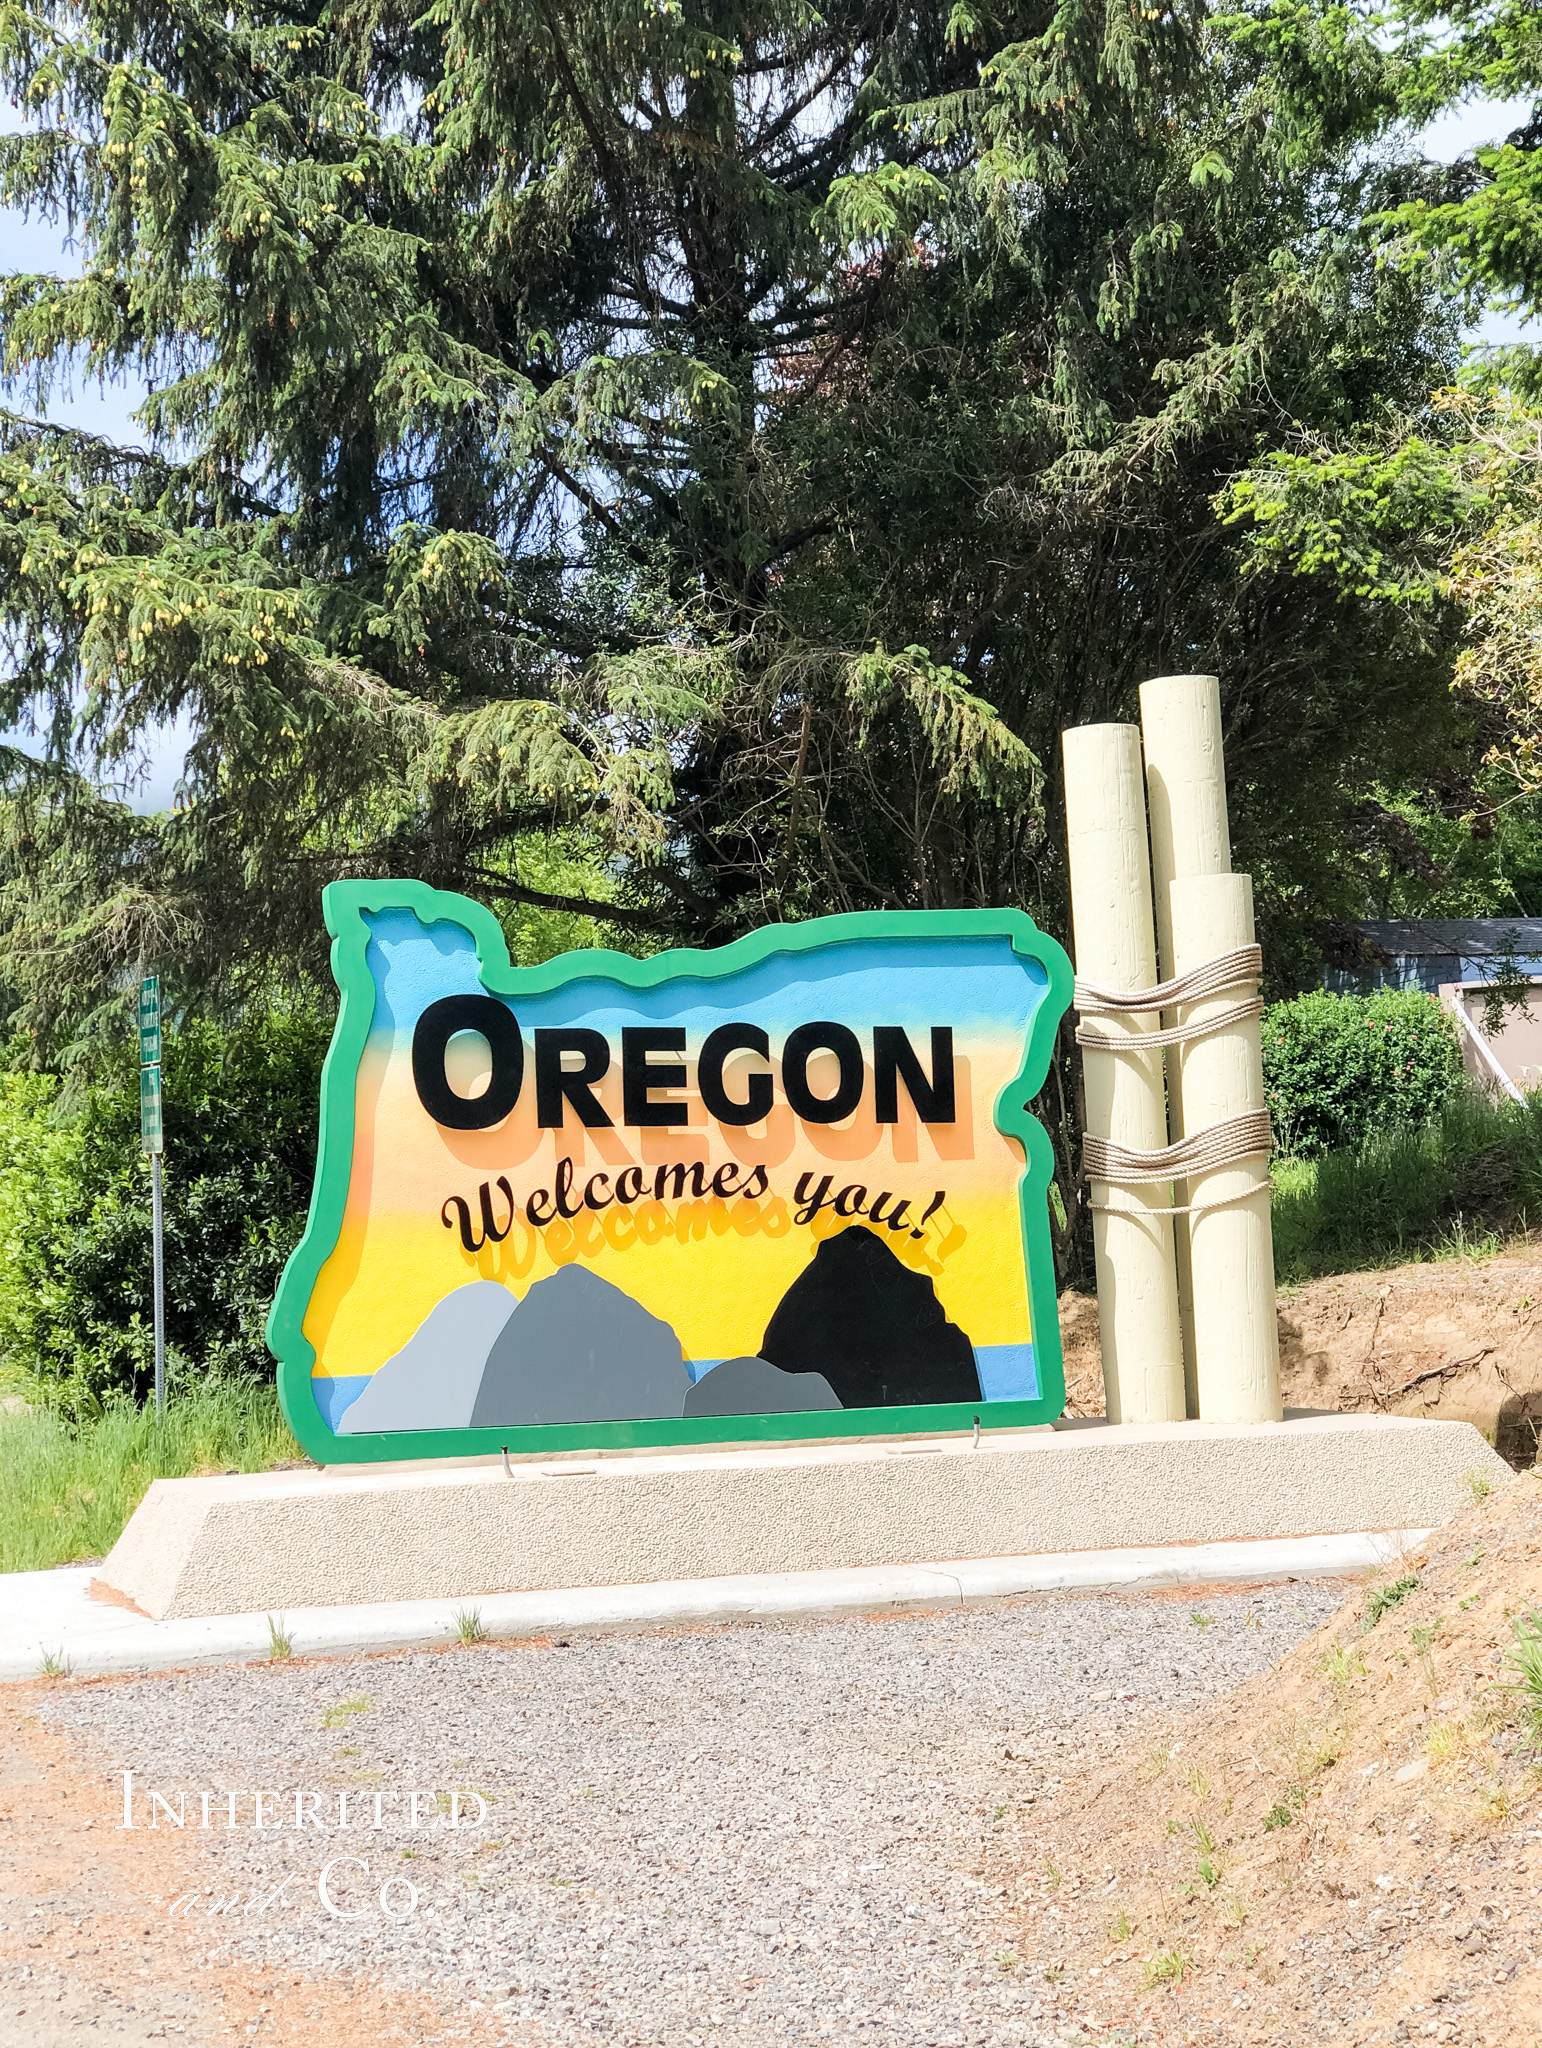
(39,246)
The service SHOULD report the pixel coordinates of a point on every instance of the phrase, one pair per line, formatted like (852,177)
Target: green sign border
(345,905)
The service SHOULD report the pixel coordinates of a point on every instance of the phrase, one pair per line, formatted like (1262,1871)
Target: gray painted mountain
(578,1349)
(575,1349)
(432,1382)
(753,1386)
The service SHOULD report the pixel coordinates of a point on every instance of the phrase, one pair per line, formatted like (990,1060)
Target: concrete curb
(52,1613)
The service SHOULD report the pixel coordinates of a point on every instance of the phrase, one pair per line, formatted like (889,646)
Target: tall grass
(68,1487)
(1467,1179)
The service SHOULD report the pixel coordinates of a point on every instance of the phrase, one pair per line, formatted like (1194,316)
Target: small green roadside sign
(150,1021)
(150,1137)
(152,1141)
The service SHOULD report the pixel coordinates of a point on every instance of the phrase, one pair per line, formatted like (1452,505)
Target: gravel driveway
(756,1833)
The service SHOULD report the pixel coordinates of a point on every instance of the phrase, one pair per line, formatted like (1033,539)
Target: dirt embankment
(1344,1850)
(1453,1339)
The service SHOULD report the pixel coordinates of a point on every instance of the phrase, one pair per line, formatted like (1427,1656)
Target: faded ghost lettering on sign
(787,1187)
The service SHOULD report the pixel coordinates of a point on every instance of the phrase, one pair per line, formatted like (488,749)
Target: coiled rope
(1174,1034)
(1211,978)
(1249,1136)
(1239,1138)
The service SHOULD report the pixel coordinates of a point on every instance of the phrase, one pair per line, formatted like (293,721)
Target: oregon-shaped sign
(791,1187)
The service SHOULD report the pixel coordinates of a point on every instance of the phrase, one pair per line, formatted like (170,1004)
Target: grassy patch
(67,1488)
(1459,1184)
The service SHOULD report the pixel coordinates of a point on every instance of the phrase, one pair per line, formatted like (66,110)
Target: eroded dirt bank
(1456,1339)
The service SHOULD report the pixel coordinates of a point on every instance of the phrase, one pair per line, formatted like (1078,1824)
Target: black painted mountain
(578,1349)
(872,1327)
(753,1386)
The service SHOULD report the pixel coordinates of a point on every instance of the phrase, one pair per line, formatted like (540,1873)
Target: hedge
(1339,1070)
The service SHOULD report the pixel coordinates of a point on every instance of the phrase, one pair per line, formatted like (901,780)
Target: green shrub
(1341,1069)
(75,1299)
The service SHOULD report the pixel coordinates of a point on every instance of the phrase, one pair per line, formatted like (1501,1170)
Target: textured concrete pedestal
(275,1541)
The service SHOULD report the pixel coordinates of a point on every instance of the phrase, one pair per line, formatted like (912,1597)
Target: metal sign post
(152,1141)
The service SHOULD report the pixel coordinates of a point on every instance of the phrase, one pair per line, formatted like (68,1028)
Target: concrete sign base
(260,1542)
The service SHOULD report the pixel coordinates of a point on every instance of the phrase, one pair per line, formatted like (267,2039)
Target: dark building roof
(1470,938)
(1428,952)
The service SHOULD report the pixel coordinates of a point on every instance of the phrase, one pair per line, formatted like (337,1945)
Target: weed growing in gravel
(54,1665)
(1006,1959)
(1156,1762)
(1423,1641)
(1053,1972)
(340,1714)
(1202,1621)
(1493,1803)
(1448,1743)
(1478,1484)
(1284,1811)
(1525,1660)
(280,1647)
(468,1626)
(1475,1560)
(1053,1874)
(1236,1910)
(1168,1966)
(1000,1813)
(1342,1668)
(1118,1929)
(1204,1841)
(1382,1599)
(1199,1782)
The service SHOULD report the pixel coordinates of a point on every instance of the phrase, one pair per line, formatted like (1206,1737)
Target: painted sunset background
(713,1269)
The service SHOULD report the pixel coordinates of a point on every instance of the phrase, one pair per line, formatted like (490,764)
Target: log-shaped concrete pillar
(1231,1246)
(1115,939)
(1180,720)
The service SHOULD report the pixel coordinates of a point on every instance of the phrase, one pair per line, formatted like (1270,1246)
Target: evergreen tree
(737,434)
(1486,209)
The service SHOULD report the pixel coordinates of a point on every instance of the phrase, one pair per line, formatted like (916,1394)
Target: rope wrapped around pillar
(1249,1136)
